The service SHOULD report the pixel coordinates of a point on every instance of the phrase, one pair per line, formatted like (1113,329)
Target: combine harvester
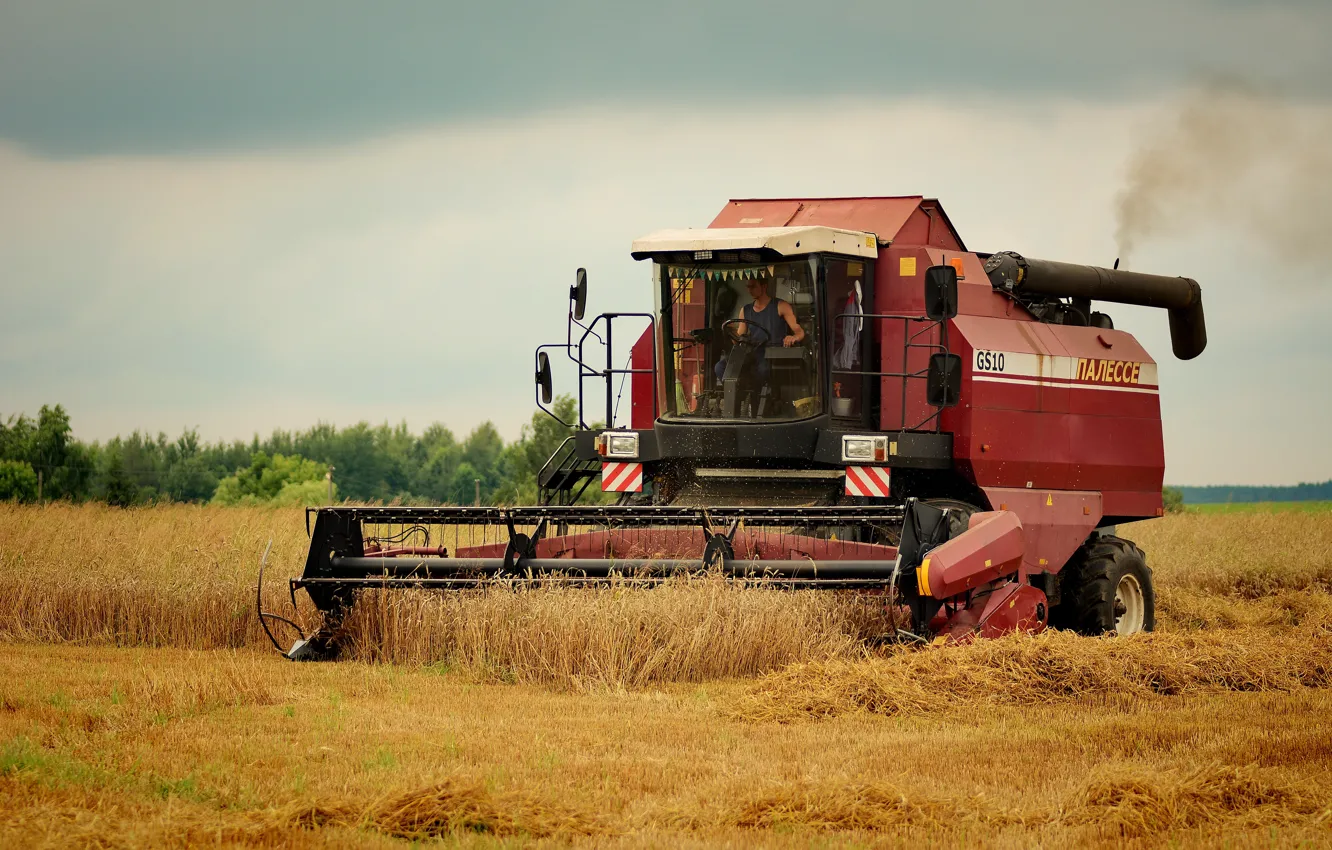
(834,394)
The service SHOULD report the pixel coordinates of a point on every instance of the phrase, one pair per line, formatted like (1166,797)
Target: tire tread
(1088,585)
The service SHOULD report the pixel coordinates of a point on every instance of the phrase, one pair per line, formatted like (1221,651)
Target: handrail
(609,372)
(563,449)
(565,452)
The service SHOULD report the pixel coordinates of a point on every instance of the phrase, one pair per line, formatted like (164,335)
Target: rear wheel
(1106,587)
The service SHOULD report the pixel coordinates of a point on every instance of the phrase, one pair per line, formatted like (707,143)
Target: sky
(242,216)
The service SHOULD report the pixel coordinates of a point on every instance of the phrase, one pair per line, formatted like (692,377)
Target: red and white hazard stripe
(867,481)
(620,477)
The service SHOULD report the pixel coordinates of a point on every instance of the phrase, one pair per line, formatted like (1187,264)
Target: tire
(1106,587)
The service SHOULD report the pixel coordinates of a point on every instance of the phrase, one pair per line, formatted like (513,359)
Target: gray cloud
(152,76)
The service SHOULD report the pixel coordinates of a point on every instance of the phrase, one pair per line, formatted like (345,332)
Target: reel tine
(265,616)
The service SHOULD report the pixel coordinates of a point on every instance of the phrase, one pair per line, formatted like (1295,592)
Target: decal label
(990,361)
(1057,370)
(1108,371)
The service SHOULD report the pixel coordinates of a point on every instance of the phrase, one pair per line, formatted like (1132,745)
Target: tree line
(1305,492)
(41,459)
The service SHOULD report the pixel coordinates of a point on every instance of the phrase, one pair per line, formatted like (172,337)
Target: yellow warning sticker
(1049,500)
(906,267)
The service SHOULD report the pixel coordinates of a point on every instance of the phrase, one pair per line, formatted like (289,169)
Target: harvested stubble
(1137,802)
(1051,667)
(1192,610)
(349,755)
(1126,801)
(446,808)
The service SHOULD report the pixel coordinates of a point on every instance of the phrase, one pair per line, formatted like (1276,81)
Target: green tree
(46,444)
(278,479)
(119,489)
(483,446)
(463,490)
(187,474)
(190,480)
(363,468)
(301,494)
(18,481)
(1173,499)
(434,479)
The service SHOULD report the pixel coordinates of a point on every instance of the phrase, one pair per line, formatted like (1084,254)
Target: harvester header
(829,393)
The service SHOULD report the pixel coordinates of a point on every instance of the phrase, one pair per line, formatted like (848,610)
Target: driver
(767,315)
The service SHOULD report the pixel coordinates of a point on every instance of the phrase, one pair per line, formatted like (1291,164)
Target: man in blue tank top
(771,316)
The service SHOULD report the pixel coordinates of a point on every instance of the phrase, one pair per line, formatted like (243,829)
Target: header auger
(831,394)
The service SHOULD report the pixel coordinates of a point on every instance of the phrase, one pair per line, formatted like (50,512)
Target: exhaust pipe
(1181,297)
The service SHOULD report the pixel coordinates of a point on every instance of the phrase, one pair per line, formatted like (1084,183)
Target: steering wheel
(730,328)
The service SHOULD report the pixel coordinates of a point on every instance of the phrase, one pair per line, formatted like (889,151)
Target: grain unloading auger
(831,394)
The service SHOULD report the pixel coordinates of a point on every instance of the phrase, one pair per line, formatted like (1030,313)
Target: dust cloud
(1248,160)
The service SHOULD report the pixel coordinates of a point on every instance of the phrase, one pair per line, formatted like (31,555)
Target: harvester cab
(833,394)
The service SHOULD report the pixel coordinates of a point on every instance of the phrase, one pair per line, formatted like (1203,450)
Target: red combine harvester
(837,394)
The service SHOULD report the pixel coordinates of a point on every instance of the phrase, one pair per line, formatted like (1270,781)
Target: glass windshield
(741,340)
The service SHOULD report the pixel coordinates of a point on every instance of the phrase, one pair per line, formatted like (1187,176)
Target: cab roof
(785,241)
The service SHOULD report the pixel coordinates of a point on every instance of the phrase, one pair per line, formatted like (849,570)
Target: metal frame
(565,459)
(351,550)
(609,372)
(338,545)
(940,347)
(816,262)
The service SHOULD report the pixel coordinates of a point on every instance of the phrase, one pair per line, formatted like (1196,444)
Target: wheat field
(140,705)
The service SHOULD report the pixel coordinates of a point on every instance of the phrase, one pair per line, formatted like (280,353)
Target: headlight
(864,449)
(621,445)
(857,448)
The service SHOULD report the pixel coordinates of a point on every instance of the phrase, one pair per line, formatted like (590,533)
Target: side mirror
(940,292)
(943,382)
(578,295)
(543,377)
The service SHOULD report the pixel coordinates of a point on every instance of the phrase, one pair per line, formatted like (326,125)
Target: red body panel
(992,547)
(1054,522)
(910,219)
(1032,415)
(1010,607)
(643,408)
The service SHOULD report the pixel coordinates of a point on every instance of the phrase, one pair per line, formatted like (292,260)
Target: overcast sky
(239,216)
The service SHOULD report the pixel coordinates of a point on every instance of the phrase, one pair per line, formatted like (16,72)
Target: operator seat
(788,380)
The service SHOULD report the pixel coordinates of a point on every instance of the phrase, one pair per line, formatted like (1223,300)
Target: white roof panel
(784,240)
